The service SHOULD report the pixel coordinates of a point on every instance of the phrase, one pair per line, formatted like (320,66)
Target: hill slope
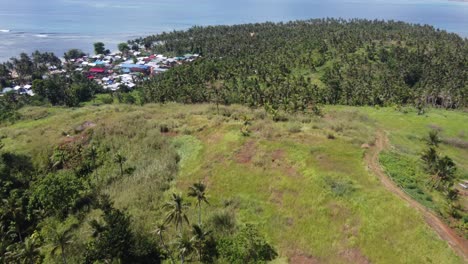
(302,182)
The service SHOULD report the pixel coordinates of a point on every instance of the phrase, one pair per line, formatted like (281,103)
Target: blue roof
(98,62)
(126,65)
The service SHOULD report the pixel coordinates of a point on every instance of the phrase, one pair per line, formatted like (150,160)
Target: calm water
(58,25)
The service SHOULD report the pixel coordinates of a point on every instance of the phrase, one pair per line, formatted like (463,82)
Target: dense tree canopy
(324,61)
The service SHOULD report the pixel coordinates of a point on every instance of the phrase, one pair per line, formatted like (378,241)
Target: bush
(294,128)
(246,246)
(339,187)
(57,193)
(106,99)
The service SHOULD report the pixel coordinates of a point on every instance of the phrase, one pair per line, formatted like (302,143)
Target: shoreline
(45,40)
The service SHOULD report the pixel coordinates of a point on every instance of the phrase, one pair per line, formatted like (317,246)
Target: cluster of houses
(115,70)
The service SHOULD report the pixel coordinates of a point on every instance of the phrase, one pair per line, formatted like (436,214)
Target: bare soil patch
(246,153)
(302,258)
(354,256)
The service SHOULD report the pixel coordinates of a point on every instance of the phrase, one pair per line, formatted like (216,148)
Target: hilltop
(302,180)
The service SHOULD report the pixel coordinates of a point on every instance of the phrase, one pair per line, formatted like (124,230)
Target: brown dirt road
(457,243)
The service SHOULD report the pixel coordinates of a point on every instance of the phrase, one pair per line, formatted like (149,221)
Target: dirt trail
(457,243)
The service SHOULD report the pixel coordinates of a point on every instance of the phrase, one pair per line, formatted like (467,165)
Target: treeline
(300,64)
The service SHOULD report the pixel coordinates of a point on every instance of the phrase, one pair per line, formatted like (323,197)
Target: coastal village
(113,71)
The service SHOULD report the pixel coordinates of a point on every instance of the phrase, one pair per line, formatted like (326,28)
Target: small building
(97,70)
(128,68)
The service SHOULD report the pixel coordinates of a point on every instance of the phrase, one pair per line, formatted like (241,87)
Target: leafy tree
(198,191)
(5,75)
(113,239)
(99,48)
(176,212)
(57,193)
(73,54)
(23,66)
(123,47)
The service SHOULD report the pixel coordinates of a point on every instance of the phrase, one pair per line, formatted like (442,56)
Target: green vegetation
(299,65)
(283,190)
(278,177)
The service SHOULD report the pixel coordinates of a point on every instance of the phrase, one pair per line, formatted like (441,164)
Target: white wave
(41,35)
(5,31)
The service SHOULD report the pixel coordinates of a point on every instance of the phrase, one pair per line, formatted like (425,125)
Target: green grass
(409,177)
(310,195)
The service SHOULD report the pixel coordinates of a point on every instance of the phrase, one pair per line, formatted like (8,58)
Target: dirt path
(457,243)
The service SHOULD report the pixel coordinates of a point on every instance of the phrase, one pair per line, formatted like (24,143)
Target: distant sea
(58,25)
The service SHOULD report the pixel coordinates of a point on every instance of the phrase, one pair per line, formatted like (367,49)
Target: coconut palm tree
(120,159)
(60,239)
(160,229)
(184,246)
(93,154)
(198,191)
(199,239)
(433,138)
(176,214)
(14,212)
(28,252)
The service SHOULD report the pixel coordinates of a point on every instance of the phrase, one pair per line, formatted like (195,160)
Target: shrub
(57,192)
(106,99)
(339,187)
(246,246)
(294,128)
(223,222)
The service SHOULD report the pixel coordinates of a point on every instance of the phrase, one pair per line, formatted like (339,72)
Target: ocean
(58,25)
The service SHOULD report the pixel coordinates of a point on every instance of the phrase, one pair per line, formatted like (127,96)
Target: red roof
(97,70)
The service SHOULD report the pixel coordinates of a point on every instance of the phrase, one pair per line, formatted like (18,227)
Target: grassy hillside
(301,181)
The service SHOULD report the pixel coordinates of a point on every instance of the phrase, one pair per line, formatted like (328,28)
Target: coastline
(59,43)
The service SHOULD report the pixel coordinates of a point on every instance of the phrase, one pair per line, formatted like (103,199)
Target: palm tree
(28,252)
(14,212)
(160,229)
(199,238)
(60,239)
(433,138)
(430,158)
(120,159)
(184,246)
(198,190)
(176,214)
(93,156)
